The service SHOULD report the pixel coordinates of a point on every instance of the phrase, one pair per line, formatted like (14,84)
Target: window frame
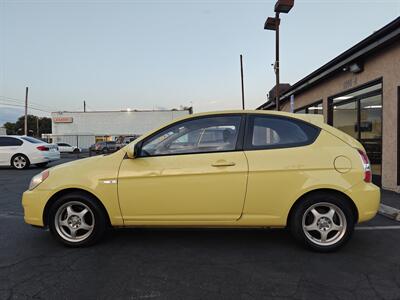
(306,107)
(238,146)
(248,145)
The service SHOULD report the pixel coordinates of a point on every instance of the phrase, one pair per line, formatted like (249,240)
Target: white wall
(113,123)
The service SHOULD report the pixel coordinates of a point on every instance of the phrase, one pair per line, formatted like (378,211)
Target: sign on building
(62,119)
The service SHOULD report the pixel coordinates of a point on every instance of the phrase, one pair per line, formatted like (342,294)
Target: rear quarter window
(271,132)
(10,141)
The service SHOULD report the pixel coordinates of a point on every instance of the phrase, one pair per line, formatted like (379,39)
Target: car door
(281,159)
(62,147)
(8,147)
(176,178)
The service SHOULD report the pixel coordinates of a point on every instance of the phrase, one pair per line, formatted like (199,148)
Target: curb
(390,212)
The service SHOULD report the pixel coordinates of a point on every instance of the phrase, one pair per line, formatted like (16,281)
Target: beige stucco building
(359,93)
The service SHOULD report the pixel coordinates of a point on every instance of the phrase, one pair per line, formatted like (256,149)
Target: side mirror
(133,150)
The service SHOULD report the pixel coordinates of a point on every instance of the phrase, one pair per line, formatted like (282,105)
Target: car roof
(13,136)
(315,119)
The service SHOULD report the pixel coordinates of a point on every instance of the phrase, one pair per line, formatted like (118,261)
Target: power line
(10,99)
(5,102)
(20,105)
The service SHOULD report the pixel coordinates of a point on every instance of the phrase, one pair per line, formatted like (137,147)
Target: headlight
(38,179)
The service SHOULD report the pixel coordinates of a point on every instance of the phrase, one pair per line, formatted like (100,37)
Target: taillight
(366,166)
(42,148)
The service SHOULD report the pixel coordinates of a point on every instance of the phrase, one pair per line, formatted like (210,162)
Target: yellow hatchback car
(222,169)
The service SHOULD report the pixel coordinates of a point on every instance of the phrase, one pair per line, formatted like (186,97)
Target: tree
(18,127)
(10,128)
(44,125)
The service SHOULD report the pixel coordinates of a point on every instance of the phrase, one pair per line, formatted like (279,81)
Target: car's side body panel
(96,175)
(183,187)
(278,177)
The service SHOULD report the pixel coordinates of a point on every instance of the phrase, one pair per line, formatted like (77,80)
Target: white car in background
(64,147)
(22,151)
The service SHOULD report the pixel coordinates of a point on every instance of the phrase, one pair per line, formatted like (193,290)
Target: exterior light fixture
(356,68)
(284,6)
(272,23)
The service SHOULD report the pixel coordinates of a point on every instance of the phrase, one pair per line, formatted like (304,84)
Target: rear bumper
(46,156)
(366,197)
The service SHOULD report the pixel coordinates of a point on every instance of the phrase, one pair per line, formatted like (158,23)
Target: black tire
(76,150)
(42,165)
(99,220)
(17,159)
(323,202)
(105,151)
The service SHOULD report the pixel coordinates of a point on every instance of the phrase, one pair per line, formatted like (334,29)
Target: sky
(159,54)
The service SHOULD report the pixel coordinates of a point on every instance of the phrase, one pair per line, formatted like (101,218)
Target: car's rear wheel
(77,220)
(323,221)
(20,161)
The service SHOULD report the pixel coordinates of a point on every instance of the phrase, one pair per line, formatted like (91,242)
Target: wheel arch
(63,192)
(322,190)
(16,154)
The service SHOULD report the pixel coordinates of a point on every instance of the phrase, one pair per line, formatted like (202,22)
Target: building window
(314,108)
(359,114)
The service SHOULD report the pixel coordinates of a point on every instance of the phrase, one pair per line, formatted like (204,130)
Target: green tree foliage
(10,127)
(18,127)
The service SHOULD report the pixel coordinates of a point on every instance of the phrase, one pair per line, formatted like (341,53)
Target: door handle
(223,163)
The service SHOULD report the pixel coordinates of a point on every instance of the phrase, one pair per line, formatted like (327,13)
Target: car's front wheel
(77,220)
(323,221)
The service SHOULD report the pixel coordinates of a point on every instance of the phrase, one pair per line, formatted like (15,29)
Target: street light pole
(281,6)
(277,60)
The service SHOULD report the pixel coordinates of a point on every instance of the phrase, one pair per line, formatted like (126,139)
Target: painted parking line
(11,215)
(393,227)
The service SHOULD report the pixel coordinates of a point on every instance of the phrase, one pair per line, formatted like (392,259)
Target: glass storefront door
(371,130)
(359,114)
(345,117)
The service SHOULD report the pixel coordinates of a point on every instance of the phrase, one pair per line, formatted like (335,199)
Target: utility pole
(84,106)
(26,112)
(241,77)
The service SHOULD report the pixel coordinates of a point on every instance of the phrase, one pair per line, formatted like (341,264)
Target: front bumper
(366,197)
(34,203)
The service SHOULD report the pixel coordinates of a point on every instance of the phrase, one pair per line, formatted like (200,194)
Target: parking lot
(183,264)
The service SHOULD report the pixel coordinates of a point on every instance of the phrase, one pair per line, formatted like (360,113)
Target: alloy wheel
(19,162)
(324,224)
(74,221)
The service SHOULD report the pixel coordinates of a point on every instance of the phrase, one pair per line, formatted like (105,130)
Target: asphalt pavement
(190,264)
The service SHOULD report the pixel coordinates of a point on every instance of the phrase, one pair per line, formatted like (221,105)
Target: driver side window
(209,134)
